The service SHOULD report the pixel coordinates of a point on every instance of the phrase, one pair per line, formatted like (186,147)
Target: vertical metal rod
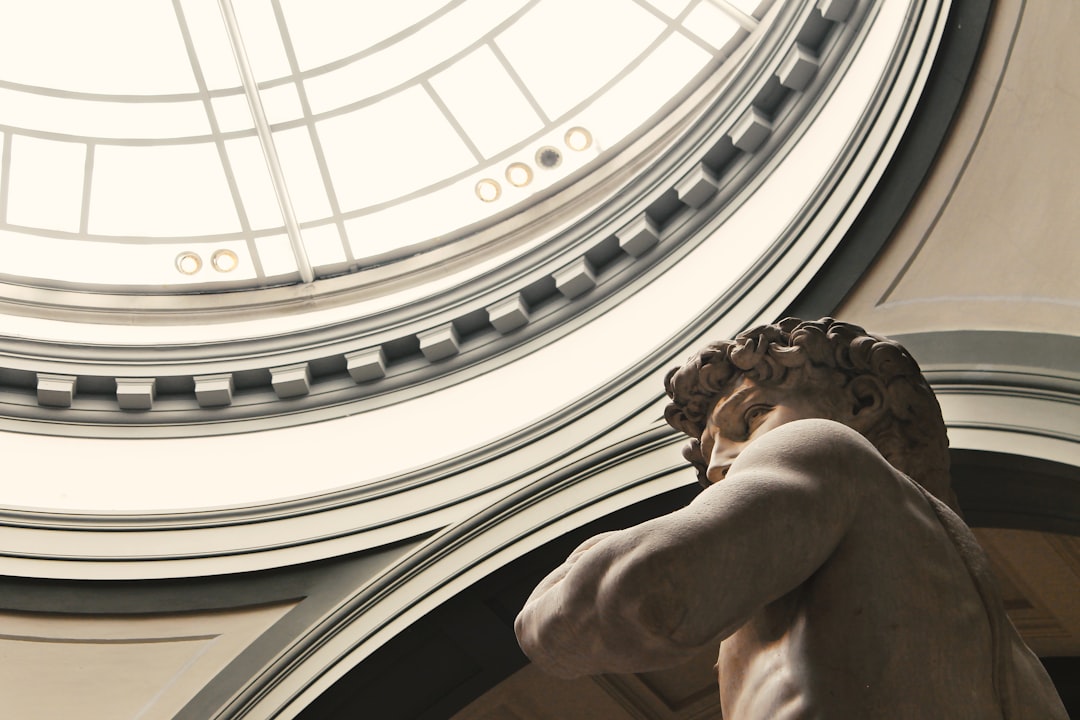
(747,22)
(262,128)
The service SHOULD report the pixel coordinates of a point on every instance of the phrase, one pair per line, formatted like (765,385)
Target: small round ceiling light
(548,157)
(488,190)
(224,260)
(188,263)
(519,174)
(578,138)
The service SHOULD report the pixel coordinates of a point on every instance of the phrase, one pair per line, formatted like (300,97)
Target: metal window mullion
(266,140)
(451,120)
(516,78)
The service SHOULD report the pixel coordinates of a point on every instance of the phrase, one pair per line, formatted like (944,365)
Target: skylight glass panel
(248,166)
(362,79)
(671,8)
(93,47)
(276,255)
(567,50)
(113,264)
(281,103)
(46,183)
(5,168)
(411,58)
(753,8)
(304,181)
(325,31)
(457,205)
(424,118)
(323,246)
(715,26)
(636,97)
(102,118)
(372,161)
(487,103)
(160,191)
(232,112)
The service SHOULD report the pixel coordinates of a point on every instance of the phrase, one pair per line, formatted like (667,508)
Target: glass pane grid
(362,162)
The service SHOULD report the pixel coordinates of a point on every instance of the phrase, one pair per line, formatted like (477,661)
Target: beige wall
(119,666)
(992,242)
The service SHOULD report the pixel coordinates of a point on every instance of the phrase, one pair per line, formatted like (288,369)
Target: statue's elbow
(650,600)
(531,629)
(544,633)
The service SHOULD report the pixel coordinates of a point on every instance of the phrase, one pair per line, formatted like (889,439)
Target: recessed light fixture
(224,260)
(488,190)
(578,138)
(519,174)
(188,263)
(548,157)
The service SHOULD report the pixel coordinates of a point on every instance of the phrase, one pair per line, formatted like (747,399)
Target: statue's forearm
(651,595)
(606,609)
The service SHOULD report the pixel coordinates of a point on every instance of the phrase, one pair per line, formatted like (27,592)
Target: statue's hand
(691,452)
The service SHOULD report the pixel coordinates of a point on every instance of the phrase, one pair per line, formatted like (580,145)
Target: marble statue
(825,557)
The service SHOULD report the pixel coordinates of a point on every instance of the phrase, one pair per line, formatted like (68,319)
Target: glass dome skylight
(194,145)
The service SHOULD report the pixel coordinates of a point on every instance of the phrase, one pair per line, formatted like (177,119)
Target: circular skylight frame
(352,516)
(304,357)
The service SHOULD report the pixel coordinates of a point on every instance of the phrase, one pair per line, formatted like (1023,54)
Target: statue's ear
(867,396)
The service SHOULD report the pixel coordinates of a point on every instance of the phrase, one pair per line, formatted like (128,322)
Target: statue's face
(752,410)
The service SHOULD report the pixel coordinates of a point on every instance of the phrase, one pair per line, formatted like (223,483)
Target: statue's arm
(649,596)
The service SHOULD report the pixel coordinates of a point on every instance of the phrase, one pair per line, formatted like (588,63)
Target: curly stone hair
(826,355)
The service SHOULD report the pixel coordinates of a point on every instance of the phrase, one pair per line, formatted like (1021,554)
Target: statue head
(837,370)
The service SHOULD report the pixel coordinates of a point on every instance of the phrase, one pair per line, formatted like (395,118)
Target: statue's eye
(753,415)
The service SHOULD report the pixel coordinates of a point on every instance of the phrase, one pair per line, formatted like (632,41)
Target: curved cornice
(1005,391)
(1035,360)
(465,548)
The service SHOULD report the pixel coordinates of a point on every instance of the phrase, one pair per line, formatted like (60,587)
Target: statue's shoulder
(815,446)
(815,435)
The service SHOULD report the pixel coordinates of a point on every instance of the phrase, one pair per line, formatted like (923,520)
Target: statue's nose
(716,473)
(720,462)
